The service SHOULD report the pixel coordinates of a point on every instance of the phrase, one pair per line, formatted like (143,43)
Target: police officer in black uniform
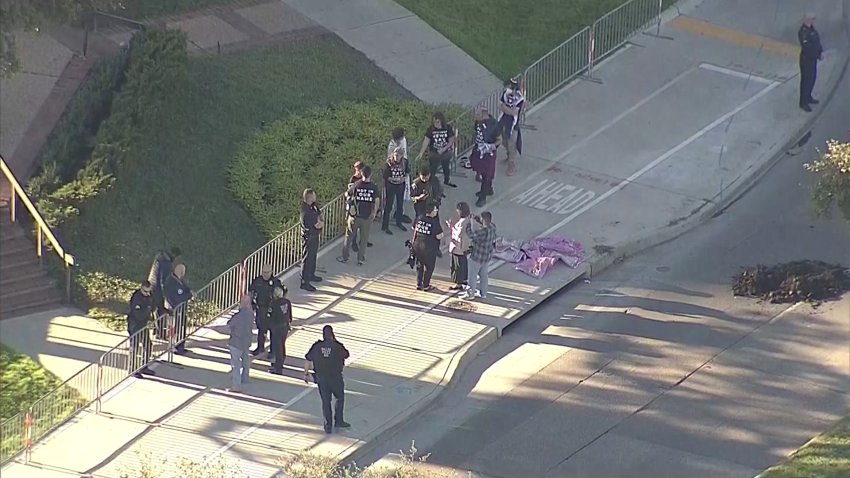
(163,265)
(280,320)
(141,305)
(811,51)
(261,289)
(311,227)
(427,233)
(327,358)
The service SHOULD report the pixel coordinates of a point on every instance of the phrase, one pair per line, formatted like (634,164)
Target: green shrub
(86,149)
(316,150)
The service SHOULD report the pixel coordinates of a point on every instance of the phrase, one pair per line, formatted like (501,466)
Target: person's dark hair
(431,208)
(487,217)
(358,165)
(366,171)
(425,170)
(146,284)
(398,133)
(440,116)
(328,333)
(463,209)
(176,252)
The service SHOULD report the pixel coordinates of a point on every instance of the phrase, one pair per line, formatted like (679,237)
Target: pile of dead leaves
(809,281)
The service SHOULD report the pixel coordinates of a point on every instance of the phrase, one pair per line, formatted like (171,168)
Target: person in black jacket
(141,304)
(311,228)
(163,265)
(177,294)
(427,234)
(261,289)
(327,358)
(811,51)
(280,321)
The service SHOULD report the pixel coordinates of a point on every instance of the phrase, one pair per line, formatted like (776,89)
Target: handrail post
(38,242)
(12,205)
(67,282)
(170,329)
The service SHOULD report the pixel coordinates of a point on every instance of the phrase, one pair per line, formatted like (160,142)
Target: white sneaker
(467,296)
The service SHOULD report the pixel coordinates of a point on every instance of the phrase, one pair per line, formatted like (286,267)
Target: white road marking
(737,74)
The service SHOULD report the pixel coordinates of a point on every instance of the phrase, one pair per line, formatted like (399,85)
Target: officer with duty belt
(261,289)
(811,51)
(327,358)
(141,305)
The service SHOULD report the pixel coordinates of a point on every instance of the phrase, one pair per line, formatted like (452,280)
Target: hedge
(316,150)
(86,149)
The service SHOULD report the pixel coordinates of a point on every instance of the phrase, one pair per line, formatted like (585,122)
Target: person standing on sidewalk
(311,227)
(511,103)
(426,192)
(396,178)
(261,289)
(163,265)
(427,234)
(280,320)
(483,155)
(349,196)
(239,343)
(811,51)
(399,140)
(177,295)
(483,244)
(141,305)
(439,140)
(362,211)
(327,358)
(459,246)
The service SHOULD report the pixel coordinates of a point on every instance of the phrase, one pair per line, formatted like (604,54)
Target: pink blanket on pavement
(537,256)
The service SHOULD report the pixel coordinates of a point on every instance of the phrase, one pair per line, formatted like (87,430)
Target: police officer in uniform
(327,358)
(811,51)
(141,305)
(311,227)
(280,320)
(427,233)
(261,289)
(177,292)
(363,208)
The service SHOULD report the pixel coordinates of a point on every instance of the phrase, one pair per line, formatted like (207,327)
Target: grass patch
(827,456)
(505,35)
(22,382)
(172,186)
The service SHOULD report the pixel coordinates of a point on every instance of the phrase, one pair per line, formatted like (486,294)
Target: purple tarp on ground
(536,256)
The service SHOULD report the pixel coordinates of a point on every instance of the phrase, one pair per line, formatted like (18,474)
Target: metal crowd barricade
(558,67)
(615,28)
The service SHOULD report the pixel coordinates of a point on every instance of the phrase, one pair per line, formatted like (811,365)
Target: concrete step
(19,300)
(20,269)
(17,246)
(10,310)
(16,264)
(23,277)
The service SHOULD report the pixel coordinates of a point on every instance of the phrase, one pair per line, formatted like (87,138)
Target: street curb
(458,361)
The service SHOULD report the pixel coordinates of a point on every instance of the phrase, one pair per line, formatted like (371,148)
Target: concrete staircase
(25,286)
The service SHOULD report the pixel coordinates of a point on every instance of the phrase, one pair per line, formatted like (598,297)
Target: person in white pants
(483,238)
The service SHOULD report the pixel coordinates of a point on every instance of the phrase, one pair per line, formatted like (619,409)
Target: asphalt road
(653,368)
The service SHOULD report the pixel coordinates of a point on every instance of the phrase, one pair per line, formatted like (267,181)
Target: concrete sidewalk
(675,131)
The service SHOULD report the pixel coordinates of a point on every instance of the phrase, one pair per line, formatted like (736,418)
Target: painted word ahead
(552,196)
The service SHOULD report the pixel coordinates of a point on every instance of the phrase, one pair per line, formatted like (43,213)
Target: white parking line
(495,265)
(737,74)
